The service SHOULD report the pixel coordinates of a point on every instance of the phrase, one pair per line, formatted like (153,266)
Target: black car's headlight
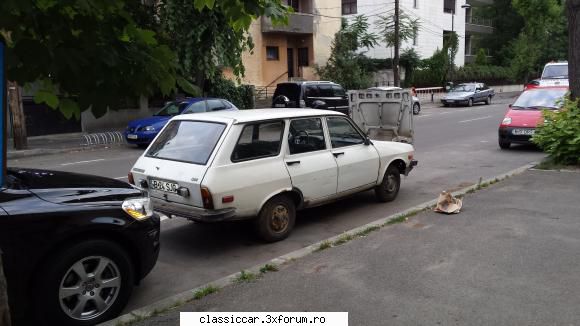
(138,208)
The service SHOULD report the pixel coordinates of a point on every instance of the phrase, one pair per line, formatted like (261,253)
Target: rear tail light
(130,177)
(206,198)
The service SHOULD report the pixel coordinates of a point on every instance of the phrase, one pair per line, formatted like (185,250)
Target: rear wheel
(504,144)
(276,219)
(416,108)
(470,102)
(488,100)
(85,284)
(389,188)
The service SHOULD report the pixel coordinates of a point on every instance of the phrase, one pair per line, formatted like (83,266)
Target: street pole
(397,78)
(453,21)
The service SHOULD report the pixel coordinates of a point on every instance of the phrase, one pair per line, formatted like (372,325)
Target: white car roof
(243,116)
(563,63)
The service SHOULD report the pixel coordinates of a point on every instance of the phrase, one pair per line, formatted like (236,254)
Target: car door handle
(293,162)
(338,154)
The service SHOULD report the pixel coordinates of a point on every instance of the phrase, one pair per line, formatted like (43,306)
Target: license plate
(523,132)
(132,137)
(450,101)
(164,186)
(279,105)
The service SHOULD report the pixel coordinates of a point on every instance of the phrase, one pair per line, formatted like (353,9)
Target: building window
(295,4)
(272,53)
(302,57)
(415,36)
(348,7)
(449,6)
(415,4)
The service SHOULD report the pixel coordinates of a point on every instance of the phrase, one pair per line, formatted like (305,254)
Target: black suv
(311,94)
(73,245)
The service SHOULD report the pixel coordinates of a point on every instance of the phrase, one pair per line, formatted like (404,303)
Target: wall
(433,22)
(325,27)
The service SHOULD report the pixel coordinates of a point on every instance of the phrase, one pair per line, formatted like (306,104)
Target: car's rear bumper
(194,213)
(410,167)
(506,135)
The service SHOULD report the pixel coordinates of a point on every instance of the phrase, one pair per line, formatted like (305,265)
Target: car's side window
(338,91)
(215,105)
(196,107)
(259,140)
(325,91)
(306,135)
(342,132)
(312,91)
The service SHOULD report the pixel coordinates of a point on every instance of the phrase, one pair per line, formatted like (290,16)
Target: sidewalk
(509,258)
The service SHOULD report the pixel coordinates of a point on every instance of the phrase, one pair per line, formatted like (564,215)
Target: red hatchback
(522,118)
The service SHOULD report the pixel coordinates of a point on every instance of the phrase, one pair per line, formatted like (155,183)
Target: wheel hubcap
(391,183)
(280,219)
(89,287)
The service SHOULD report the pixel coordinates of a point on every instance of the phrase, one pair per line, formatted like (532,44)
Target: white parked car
(265,165)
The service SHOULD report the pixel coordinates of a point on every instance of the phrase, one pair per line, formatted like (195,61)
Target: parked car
(416,102)
(141,132)
(73,245)
(532,84)
(264,165)
(468,94)
(322,95)
(522,118)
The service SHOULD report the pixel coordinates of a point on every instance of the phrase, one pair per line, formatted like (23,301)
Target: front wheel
(389,188)
(416,108)
(470,102)
(276,219)
(504,144)
(85,284)
(488,100)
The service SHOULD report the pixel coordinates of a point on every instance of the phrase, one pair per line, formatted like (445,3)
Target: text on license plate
(164,186)
(132,136)
(279,105)
(527,132)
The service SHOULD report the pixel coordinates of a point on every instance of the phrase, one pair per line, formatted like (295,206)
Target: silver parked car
(416,103)
(468,94)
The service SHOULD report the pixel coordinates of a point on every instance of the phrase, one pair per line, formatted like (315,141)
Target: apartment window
(302,57)
(295,4)
(449,6)
(415,36)
(272,53)
(415,4)
(348,7)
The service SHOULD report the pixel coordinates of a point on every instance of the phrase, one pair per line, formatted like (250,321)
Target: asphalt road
(455,148)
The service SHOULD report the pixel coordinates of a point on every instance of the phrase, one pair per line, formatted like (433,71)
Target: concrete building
(437,18)
(475,28)
(282,53)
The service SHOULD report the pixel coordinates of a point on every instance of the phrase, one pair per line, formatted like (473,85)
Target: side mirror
(367,141)
(318,104)
(510,106)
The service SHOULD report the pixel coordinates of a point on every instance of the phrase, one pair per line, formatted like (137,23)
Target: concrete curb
(183,297)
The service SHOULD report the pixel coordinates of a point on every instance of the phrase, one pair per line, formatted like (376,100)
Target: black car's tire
(59,286)
(504,144)
(488,100)
(276,219)
(446,105)
(470,102)
(389,188)
(142,146)
(416,108)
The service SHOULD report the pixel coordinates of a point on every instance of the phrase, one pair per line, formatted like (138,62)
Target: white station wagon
(265,165)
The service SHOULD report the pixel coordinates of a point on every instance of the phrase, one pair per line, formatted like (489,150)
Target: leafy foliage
(559,135)
(408,28)
(411,60)
(346,64)
(437,69)
(481,58)
(507,24)
(241,96)
(493,75)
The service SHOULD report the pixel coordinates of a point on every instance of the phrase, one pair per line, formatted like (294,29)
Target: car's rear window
(555,71)
(187,141)
(540,98)
(291,91)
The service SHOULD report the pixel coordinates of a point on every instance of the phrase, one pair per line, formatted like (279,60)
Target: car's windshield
(555,72)
(540,99)
(172,109)
(463,88)
(187,141)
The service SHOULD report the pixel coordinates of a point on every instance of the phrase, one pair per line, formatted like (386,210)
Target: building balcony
(298,23)
(478,25)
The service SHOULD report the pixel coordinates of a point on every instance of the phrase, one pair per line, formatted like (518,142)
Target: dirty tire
(488,100)
(470,102)
(416,108)
(276,219)
(389,188)
(59,269)
(504,144)
(446,105)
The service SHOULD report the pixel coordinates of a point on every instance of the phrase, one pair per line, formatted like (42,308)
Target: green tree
(573,15)
(507,23)
(346,64)
(410,60)
(408,28)
(481,58)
